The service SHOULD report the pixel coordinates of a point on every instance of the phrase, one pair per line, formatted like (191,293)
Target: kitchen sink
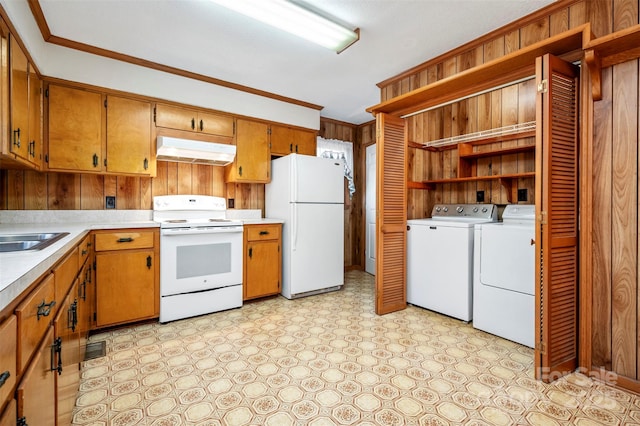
(23,242)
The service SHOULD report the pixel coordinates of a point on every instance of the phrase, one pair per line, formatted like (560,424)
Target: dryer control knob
(459,209)
(438,208)
(484,210)
(475,210)
(445,209)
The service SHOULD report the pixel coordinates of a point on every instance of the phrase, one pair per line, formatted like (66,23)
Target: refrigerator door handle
(294,226)
(294,179)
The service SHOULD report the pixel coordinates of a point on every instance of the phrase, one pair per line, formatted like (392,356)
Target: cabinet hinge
(154,115)
(105,103)
(46,158)
(540,346)
(269,130)
(542,218)
(542,86)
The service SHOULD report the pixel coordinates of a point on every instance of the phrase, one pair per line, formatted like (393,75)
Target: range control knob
(459,209)
(445,209)
(484,210)
(475,210)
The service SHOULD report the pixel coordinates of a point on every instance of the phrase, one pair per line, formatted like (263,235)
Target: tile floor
(329,360)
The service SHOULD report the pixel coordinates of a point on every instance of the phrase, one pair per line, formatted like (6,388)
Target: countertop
(18,270)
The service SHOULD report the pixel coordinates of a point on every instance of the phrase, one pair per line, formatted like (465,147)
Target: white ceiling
(202,37)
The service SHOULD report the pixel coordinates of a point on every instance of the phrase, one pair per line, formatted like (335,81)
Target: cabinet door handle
(264,232)
(3,377)
(250,252)
(193,124)
(290,147)
(72,316)
(148,262)
(296,148)
(240,170)
(145,164)
(44,309)
(32,148)
(56,349)
(201,125)
(95,160)
(125,240)
(16,137)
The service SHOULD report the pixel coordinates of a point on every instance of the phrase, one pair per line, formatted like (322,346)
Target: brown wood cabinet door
(252,162)
(263,261)
(391,223)
(36,394)
(19,101)
(75,129)
(35,118)
(125,289)
(8,337)
(65,327)
(556,349)
(282,140)
(128,136)
(8,417)
(173,117)
(305,143)
(215,124)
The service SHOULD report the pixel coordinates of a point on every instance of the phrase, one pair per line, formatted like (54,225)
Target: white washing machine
(504,275)
(440,258)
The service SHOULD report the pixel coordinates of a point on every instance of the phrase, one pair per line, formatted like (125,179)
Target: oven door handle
(201,231)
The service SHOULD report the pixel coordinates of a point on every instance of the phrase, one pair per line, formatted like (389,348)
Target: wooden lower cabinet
(8,417)
(262,260)
(127,282)
(8,339)
(86,303)
(36,394)
(67,336)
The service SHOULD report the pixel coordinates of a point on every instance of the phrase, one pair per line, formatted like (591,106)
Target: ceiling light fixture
(296,20)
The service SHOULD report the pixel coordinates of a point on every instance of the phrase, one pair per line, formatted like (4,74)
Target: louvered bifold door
(391,221)
(556,352)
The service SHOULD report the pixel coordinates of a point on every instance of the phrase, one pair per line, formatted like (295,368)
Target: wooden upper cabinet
(253,161)
(286,140)
(35,119)
(129,136)
(76,133)
(193,120)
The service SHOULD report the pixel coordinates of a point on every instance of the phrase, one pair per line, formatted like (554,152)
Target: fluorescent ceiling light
(296,20)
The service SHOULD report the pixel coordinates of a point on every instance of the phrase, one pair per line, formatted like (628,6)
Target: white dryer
(440,258)
(504,275)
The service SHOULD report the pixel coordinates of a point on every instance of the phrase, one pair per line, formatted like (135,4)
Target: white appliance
(504,275)
(440,258)
(193,151)
(308,194)
(200,256)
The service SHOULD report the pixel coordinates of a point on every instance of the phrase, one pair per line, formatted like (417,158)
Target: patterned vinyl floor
(329,360)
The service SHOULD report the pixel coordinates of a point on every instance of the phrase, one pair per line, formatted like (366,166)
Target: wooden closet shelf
(617,47)
(430,184)
(479,141)
(466,153)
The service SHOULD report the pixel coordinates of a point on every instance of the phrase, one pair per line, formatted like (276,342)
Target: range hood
(196,152)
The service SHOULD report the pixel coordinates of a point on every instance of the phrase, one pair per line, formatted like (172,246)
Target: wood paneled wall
(353,208)
(615,325)
(29,190)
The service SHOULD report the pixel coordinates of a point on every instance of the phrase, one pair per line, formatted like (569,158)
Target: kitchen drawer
(8,418)
(124,240)
(8,337)
(84,249)
(262,232)
(34,315)
(65,273)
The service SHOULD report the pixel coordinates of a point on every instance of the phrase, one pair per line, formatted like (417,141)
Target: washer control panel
(465,211)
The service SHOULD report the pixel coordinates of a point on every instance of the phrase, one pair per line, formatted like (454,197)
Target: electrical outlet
(111,202)
(480,196)
(523,194)
(231,203)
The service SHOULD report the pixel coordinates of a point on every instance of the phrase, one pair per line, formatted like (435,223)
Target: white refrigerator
(308,194)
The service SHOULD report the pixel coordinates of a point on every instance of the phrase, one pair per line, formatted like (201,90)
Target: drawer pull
(264,232)
(3,377)
(44,309)
(56,349)
(148,262)
(125,240)
(84,252)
